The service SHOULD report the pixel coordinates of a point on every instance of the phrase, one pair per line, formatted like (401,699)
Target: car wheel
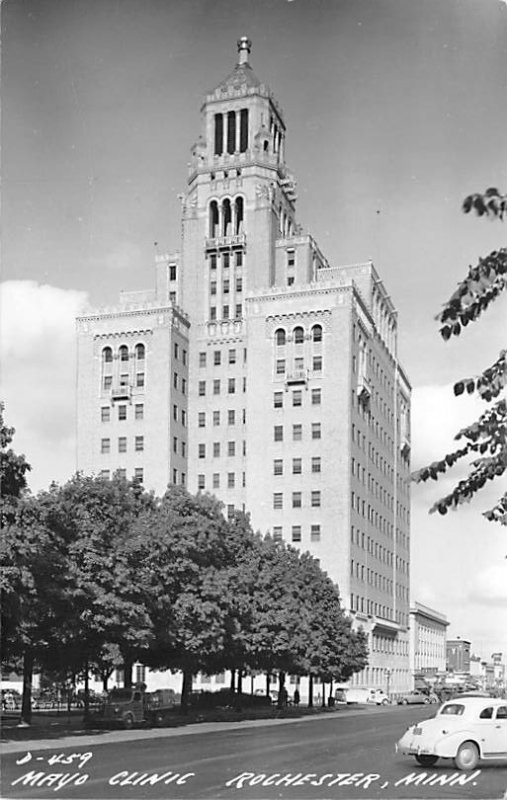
(426,761)
(426,701)
(128,721)
(385,701)
(404,701)
(467,756)
(159,719)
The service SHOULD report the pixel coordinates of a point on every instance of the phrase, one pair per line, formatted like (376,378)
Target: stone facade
(296,407)
(428,639)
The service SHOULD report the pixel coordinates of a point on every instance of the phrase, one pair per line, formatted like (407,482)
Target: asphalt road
(344,755)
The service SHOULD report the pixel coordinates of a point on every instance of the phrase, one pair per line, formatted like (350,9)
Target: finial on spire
(244,48)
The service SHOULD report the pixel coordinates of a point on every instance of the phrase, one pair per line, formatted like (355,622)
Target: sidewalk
(51,733)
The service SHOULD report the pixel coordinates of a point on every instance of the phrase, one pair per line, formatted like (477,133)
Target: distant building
(258,372)
(428,634)
(458,656)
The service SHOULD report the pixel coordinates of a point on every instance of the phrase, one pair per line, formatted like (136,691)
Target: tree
(486,438)
(13,468)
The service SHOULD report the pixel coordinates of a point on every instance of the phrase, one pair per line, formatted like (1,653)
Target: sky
(395,111)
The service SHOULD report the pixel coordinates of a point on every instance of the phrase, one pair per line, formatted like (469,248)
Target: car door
(489,735)
(498,741)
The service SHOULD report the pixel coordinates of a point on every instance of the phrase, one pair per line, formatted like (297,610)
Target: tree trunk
(323,694)
(26,702)
(127,672)
(86,711)
(233,680)
(186,688)
(310,691)
(282,691)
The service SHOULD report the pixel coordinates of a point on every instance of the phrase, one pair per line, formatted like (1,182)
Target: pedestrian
(296,697)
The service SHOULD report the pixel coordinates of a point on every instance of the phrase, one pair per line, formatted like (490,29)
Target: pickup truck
(135,706)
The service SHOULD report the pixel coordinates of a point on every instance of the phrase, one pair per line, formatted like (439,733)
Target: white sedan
(465,729)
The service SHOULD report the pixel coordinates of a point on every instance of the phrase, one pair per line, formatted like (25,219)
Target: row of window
(138,474)
(226,312)
(298,335)
(375,579)
(297,466)
(296,533)
(232,450)
(299,364)
(232,480)
(123,353)
(216,417)
(376,458)
(122,412)
(297,499)
(227,259)
(179,382)
(367,606)
(105,444)
(374,487)
(297,432)
(138,382)
(226,286)
(369,545)
(216,385)
(217,357)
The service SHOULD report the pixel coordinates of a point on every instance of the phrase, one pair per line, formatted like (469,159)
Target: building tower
(296,407)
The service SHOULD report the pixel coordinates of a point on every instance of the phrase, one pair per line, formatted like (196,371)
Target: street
(344,755)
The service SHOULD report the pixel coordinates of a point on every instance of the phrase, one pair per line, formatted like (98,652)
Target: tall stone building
(270,378)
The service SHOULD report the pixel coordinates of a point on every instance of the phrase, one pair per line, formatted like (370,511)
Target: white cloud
(37,341)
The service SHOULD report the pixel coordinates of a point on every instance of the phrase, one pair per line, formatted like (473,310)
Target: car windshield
(120,694)
(453,708)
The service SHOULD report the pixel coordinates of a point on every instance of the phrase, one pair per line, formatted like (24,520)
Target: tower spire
(244,49)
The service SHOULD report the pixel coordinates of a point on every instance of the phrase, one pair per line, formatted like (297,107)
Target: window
(216,480)
(280,337)
(239,311)
(124,353)
(226,287)
(124,379)
(183,385)
(278,400)
(280,366)
(104,473)
(315,499)
(297,466)
(105,445)
(278,500)
(107,355)
(230,480)
(231,385)
(122,444)
(184,356)
(231,417)
(139,444)
(297,501)
(105,414)
(278,466)
(216,449)
(299,335)
(239,285)
(183,417)
(217,358)
(317,363)
(486,713)
(316,464)
(202,450)
(213,261)
(290,280)
(201,419)
(108,381)
(297,433)
(232,356)
(176,349)
(296,533)
(216,387)
(291,258)
(317,333)
(216,418)
(183,448)
(239,258)
(277,533)
(202,388)
(140,379)
(315,533)
(278,433)
(299,364)
(316,397)
(225,312)
(122,412)
(201,482)
(202,359)
(139,474)
(231,448)
(213,313)
(213,287)
(122,473)
(230,511)
(175,380)
(316,430)
(139,411)
(297,397)
(226,260)
(175,444)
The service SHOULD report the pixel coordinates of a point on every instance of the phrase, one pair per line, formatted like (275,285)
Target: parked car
(417,696)
(376,696)
(465,729)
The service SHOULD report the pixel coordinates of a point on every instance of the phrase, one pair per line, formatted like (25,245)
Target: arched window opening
(140,351)
(265,146)
(226,218)
(317,333)
(107,355)
(238,214)
(280,337)
(243,131)
(213,219)
(219,134)
(124,353)
(299,335)
(231,132)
